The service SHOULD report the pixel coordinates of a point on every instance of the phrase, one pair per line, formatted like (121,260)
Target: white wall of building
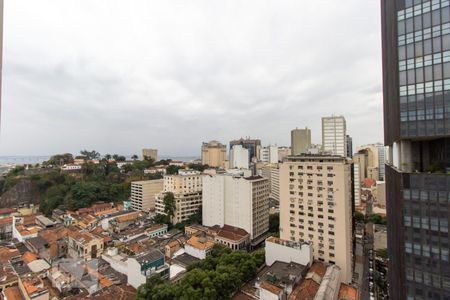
(135,277)
(300,253)
(239,157)
(334,135)
(195,252)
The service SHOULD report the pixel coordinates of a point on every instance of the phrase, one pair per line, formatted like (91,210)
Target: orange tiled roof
(7,253)
(13,293)
(7,220)
(200,243)
(271,288)
(347,292)
(29,257)
(33,284)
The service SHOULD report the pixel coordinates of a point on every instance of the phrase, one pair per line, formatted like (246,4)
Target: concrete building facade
(187,189)
(214,154)
(252,145)
(416,92)
(316,206)
(283,152)
(150,153)
(334,135)
(235,200)
(239,157)
(269,154)
(143,194)
(300,141)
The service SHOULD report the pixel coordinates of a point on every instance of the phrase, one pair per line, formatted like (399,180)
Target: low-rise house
(146,264)
(172,247)
(6,228)
(6,212)
(233,237)
(122,222)
(7,253)
(84,245)
(22,233)
(71,168)
(44,222)
(57,239)
(288,251)
(8,277)
(199,246)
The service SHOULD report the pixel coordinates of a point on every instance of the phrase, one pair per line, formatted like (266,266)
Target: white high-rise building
(235,200)
(334,131)
(269,154)
(239,157)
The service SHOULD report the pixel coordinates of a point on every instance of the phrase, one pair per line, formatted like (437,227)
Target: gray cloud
(118,76)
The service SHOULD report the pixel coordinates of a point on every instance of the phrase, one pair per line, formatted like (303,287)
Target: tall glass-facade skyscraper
(416,87)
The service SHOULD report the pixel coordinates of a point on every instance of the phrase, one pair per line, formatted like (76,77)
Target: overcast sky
(117,76)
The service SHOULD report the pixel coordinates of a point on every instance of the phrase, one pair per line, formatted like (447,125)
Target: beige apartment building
(151,153)
(187,189)
(316,206)
(143,194)
(214,154)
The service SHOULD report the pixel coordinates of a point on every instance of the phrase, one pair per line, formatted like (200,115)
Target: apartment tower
(416,91)
(143,194)
(253,147)
(300,141)
(239,157)
(316,206)
(187,189)
(334,137)
(239,201)
(150,153)
(214,154)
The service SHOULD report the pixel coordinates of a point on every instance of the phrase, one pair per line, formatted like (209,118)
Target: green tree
(171,170)
(359,217)
(274,223)
(90,155)
(169,204)
(134,157)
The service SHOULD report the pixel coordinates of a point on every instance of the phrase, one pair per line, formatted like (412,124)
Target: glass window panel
(403,78)
(427,47)
(427,20)
(446,42)
(446,70)
(437,44)
(401,27)
(436,17)
(417,23)
(419,49)
(445,13)
(437,72)
(419,75)
(428,73)
(401,53)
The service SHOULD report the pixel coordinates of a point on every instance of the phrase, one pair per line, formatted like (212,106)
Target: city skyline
(76,76)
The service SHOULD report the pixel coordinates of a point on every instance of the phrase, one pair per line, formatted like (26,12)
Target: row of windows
(435,224)
(425,34)
(428,114)
(422,8)
(427,87)
(427,278)
(427,251)
(423,21)
(427,60)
